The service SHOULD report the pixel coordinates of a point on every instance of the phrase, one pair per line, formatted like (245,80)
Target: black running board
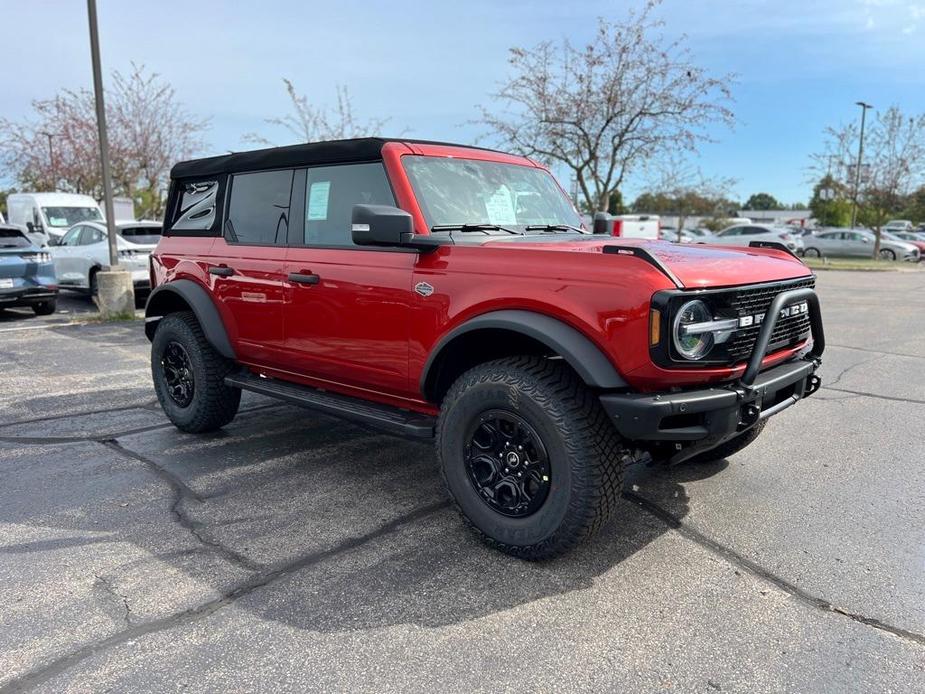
(389,419)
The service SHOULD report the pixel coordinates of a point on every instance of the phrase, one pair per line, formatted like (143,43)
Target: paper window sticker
(318,194)
(500,207)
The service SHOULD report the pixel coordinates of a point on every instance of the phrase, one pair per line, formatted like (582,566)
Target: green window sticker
(318,194)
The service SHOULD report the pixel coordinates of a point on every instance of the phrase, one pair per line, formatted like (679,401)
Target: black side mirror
(384,225)
(31,227)
(601,223)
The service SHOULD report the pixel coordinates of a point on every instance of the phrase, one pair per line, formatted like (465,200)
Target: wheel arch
(186,295)
(508,332)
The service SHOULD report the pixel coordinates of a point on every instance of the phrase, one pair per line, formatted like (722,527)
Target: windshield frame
(566,215)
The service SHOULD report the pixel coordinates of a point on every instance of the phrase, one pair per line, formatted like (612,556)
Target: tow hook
(750,414)
(812,385)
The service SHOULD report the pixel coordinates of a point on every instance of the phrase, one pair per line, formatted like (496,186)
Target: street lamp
(857,170)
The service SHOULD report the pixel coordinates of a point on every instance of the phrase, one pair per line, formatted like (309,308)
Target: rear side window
(258,210)
(196,210)
(330,194)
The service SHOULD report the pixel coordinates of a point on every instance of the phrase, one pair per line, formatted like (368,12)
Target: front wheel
(189,376)
(529,456)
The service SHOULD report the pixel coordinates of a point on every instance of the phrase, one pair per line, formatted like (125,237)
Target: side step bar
(391,420)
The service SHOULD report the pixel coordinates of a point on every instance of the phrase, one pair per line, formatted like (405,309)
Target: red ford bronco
(449,292)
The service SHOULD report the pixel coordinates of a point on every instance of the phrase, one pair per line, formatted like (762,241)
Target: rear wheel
(812,253)
(45,308)
(189,376)
(529,456)
(731,447)
(887,254)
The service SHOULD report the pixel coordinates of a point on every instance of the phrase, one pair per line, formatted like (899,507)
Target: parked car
(671,234)
(45,217)
(744,234)
(84,250)
(904,237)
(27,275)
(856,243)
(540,359)
(898,225)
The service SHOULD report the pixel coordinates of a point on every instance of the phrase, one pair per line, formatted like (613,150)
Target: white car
(744,234)
(899,225)
(84,250)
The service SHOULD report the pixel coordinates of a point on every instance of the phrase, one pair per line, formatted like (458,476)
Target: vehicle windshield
(12,238)
(455,192)
(63,217)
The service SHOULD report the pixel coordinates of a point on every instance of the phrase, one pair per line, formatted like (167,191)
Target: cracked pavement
(292,551)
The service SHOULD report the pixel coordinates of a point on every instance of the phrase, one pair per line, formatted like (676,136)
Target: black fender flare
(199,301)
(586,358)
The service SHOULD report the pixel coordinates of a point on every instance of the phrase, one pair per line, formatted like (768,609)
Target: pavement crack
(146,405)
(182,494)
(61,664)
(109,588)
(762,573)
(878,351)
(861,393)
(848,369)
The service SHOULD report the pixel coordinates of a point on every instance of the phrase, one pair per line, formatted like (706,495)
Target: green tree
(830,204)
(615,203)
(3,196)
(762,201)
(914,207)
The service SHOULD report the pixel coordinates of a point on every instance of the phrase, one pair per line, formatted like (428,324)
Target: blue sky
(426,65)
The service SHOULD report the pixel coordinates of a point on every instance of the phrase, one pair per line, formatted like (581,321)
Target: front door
(348,308)
(248,265)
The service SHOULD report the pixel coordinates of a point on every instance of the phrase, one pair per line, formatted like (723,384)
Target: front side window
(62,217)
(258,212)
(72,237)
(467,191)
(330,194)
(90,235)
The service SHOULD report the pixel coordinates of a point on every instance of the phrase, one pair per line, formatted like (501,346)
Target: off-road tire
(45,308)
(584,451)
(731,447)
(213,403)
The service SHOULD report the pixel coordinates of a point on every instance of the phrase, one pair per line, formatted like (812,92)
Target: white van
(46,216)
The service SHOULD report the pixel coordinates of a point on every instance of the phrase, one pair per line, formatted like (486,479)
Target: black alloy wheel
(507,463)
(178,374)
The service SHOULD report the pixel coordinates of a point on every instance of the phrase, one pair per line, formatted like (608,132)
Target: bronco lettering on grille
(786,312)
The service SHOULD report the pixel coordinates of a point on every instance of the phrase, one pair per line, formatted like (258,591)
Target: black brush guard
(698,420)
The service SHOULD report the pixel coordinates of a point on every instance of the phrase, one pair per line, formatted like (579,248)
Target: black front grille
(788,332)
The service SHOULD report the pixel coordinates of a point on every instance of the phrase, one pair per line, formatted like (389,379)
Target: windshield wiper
(473,227)
(554,227)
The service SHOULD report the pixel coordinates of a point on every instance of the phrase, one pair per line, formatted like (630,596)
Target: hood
(692,265)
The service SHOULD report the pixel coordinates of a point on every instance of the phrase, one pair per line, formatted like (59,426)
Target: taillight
(36,257)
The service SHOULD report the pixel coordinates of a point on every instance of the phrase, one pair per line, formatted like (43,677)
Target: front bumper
(693,421)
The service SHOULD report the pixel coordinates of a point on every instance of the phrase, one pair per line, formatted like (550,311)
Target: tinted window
(146,235)
(330,194)
(735,231)
(90,235)
(757,230)
(197,205)
(259,208)
(13,238)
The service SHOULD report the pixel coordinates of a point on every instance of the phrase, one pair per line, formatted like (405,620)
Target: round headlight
(692,346)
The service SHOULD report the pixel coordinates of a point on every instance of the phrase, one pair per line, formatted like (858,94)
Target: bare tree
(628,96)
(309,122)
(689,191)
(893,164)
(56,149)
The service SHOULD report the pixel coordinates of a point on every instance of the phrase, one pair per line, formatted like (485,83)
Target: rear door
(248,263)
(348,307)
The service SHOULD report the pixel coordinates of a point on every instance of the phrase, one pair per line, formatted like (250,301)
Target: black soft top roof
(310,154)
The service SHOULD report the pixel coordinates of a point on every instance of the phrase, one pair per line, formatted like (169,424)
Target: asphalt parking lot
(291,551)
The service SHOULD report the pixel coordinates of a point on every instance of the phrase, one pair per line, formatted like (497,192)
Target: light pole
(51,158)
(857,170)
(115,293)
